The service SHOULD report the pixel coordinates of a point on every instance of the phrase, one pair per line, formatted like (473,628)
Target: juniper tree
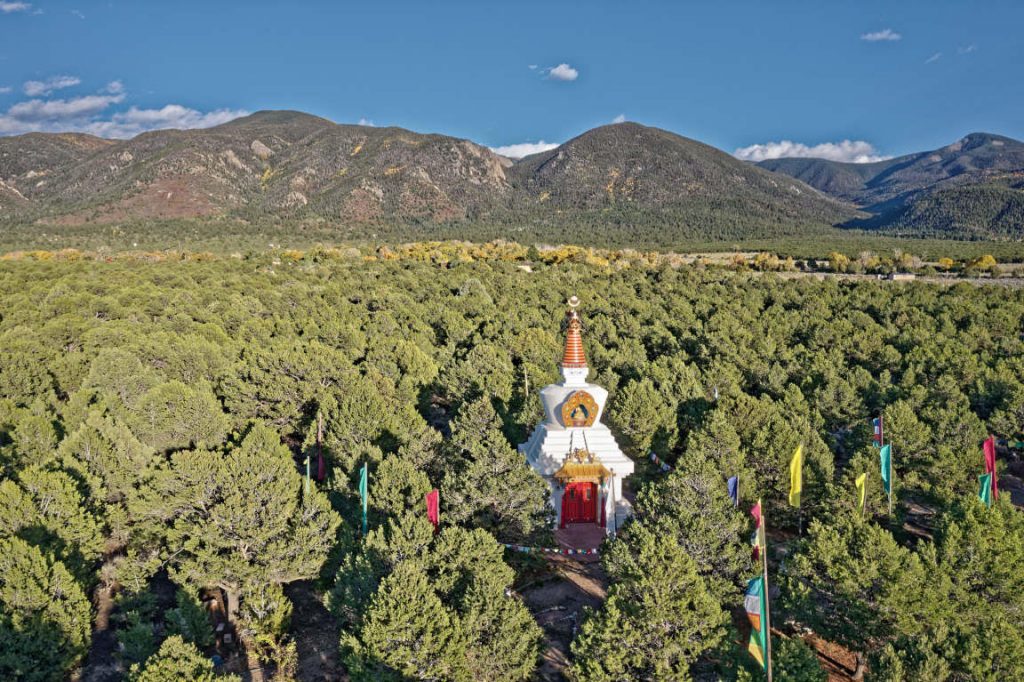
(488,484)
(658,618)
(691,507)
(177,660)
(851,582)
(44,615)
(46,508)
(240,519)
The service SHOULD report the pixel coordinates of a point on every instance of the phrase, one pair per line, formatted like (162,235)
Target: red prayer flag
(434,507)
(989,446)
(321,467)
(757,539)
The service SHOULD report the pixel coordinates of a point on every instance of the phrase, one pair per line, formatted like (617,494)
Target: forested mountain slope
(973,188)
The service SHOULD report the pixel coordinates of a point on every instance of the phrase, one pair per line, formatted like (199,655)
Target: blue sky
(891,77)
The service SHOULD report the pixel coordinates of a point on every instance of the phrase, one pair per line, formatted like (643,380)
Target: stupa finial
(573,358)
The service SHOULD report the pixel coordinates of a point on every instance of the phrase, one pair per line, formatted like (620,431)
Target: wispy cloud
(934,58)
(37,88)
(8,7)
(366,122)
(621,118)
(93,114)
(42,111)
(518,151)
(967,49)
(134,121)
(77,13)
(6,89)
(886,34)
(848,151)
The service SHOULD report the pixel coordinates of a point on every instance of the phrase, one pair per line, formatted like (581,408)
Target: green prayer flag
(363,493)
(885,457)
(755,604)
(985,489)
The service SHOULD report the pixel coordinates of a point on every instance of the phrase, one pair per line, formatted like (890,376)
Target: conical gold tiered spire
(573,356)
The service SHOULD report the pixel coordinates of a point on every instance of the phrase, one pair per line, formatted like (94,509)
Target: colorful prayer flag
(985,489)
(876,425)
(758,539)
(434,507)
(989,447)
(754,604)
(796,476)
(734,490)
(885,459)
(862,484)
(364,493)
(321,467)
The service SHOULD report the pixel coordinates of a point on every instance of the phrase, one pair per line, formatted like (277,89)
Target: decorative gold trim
(579,409)
(582,466)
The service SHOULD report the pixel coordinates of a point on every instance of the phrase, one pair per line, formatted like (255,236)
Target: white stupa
(575,453)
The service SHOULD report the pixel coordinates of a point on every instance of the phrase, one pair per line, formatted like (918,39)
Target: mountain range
(624,178)
(973,188)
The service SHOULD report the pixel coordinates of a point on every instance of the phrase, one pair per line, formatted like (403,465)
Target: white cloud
(37,88)
(5,90)
(883,35)
(38,110)
(562,72)
(532,67)
(518,151)
(849,151)
(934,58)
(366,122)
(967,49)
(77,13)
(89,114)
(134,121)
(621,118)
(8,7)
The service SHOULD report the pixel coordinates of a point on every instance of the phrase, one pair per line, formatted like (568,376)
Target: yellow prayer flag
(796,476)
(862,484)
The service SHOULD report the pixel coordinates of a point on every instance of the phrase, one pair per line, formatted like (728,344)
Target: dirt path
(557,602)
(316,635)
(100,665)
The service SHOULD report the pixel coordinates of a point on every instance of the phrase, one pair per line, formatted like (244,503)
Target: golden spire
(573,356)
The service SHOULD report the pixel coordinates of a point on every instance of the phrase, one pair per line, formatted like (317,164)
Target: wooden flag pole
(767,609)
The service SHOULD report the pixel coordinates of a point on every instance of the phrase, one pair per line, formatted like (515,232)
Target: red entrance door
(579,503)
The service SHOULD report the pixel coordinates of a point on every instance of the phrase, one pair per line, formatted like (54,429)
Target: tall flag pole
(755,601)
(862,484)
(989,448)
(364,492)
(885,460)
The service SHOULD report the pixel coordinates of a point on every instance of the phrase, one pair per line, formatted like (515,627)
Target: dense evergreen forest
(156,417)
(223,236)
